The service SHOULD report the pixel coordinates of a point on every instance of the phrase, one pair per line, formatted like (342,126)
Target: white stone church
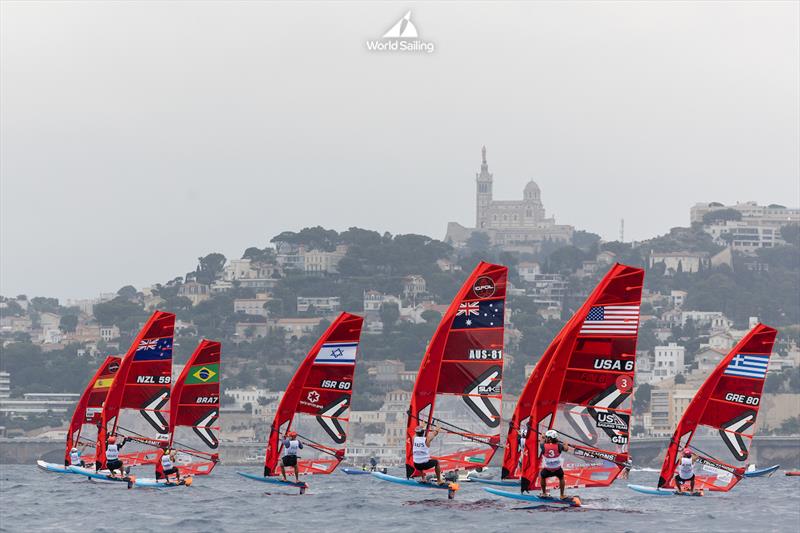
(510,224)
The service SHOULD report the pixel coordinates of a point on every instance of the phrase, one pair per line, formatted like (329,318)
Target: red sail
(461,375)
(136,406)
(512,455)
(87,414)
(728,404)
(194,410)
(585,393)
(316,403)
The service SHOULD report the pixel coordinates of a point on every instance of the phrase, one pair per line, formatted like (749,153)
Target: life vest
(112,452)
(551,458)
(421,453)
(75,458)
(686,468)
(166,461)
(292,448)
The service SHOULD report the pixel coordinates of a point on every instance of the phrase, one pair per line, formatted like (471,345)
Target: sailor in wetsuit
(685,471)
(113,462)
(291,445)
(165,466)
(421,452)
(550,449)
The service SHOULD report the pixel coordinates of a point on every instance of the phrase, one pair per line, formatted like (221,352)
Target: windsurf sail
(88,411)
(138,401)
(194,411)
(585,393)
(726,405)
(316,403)
(518,425)
(459,384)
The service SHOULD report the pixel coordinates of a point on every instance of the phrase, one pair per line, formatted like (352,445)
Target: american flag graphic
(468,308)
(611,320)
(748,366)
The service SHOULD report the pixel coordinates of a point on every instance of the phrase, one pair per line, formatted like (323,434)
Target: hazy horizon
(136,137)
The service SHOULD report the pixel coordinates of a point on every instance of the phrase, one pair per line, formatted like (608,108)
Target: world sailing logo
(401,37)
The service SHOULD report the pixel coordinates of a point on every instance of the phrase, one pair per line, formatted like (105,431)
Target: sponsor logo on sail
(113,367)
(403,37)
(611,421)
(484,287)
(313,396)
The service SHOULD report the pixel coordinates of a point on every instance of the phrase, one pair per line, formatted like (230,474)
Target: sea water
(32,500)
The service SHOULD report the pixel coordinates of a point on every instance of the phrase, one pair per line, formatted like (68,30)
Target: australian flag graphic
(480,314)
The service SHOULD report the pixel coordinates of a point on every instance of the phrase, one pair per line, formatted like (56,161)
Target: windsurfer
(373,464)
(291,445)
(75,458)
(685,473)
(422,452)
(550,450)
(165,466)
(113,462)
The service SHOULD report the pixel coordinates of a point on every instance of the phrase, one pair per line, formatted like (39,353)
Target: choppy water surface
(224,501)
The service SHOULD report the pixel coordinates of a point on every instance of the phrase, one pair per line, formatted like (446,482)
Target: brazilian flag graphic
(203,374)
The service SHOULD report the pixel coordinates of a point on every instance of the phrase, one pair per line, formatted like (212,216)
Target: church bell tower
(483,190)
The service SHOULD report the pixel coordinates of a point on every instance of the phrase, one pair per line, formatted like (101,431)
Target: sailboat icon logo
(404,28)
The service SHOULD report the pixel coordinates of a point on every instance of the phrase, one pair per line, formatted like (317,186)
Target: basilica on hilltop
(510,224)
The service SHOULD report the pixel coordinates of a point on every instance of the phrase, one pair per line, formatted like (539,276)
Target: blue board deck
(410,482)
(274,480)
(758,472)
(53,467)
(102,476)
(653,491)
(571,501)
(355,471)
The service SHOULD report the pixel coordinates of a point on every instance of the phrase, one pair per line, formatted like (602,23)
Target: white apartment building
(528,270)
(5,384)
(237,269)
(322,261)
(320,304)
(744,236)
(668,361)
(680,261)
(252,306)
(713,320)
(773,214)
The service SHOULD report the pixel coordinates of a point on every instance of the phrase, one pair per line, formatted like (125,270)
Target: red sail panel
(137,403)
(518,426)
(87,414)
(727,403)
(585,393)
(194,411)
(461,376)
(316,404)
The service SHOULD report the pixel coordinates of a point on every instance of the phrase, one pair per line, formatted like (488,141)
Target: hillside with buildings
(705,285)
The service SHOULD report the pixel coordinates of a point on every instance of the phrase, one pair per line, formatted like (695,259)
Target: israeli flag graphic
(337,353)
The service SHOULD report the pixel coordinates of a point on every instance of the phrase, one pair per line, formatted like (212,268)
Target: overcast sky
(136,137)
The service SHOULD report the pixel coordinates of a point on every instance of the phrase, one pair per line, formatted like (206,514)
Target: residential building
(660,413)
(252,306)
(296,327)
(237,269)
(108,333)
(528,270)
(548,289)
(319,304)
(676,298)
(251,330)
(388,371)
(680,261)
(36,403)
(773,214)
(668,361)
(679,399)
(5,384)
(707,359)
(195,291)
(511,224)
(712,320)
(322,261)
(414,286)
(744,236)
